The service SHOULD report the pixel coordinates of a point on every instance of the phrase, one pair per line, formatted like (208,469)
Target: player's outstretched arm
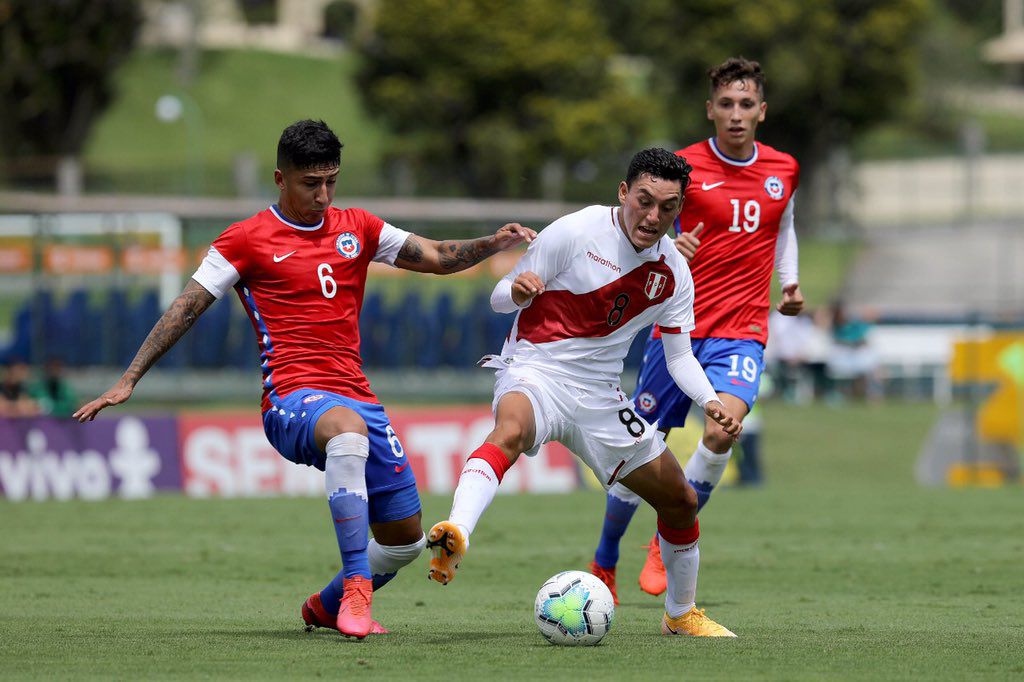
(452,255)
(172,325)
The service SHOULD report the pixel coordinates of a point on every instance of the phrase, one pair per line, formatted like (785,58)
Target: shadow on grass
(299,634)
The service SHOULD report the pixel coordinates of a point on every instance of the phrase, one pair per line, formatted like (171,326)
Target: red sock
(492,454)
(679,536)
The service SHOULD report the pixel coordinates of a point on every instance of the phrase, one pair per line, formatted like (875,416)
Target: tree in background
(488,91)
(834,67)
(57,61)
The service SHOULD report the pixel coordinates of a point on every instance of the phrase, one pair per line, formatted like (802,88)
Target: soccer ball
(574,608)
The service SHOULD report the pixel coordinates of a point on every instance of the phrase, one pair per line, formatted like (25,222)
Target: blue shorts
(733,366)
(390,484)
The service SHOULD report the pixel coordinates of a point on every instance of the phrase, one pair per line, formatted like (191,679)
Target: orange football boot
(607,576)
(448,545)
(315,616)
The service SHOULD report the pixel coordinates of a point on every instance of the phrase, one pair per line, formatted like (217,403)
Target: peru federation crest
(655,285)
(775,188)
(347,245)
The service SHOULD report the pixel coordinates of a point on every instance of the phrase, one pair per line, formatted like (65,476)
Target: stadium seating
(88,328)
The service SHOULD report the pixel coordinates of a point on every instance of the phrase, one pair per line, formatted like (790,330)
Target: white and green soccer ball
(574,608)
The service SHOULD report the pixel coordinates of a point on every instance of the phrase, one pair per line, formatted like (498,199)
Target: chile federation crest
(348,245)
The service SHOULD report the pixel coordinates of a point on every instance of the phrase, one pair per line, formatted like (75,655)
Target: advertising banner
(218,454)
(437,442)
(44,458)
(228,455)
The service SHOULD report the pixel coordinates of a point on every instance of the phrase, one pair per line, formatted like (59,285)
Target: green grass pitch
(840,567)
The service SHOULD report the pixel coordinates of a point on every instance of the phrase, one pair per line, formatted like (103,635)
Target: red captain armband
(669,330)
(492,454)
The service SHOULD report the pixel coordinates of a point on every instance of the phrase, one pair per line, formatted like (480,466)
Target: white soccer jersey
(599,293)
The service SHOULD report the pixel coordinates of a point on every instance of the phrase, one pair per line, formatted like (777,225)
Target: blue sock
(703,490)
(331,595)
(349,512)
(382,579)
(617,515)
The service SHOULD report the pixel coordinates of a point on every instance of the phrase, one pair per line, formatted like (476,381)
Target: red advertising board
(228,455)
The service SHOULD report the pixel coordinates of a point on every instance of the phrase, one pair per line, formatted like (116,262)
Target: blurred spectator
(53,392)
(797,354)
(15,400)
(852,364)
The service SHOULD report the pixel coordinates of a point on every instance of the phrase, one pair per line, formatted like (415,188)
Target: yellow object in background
(995,359)
(976,475)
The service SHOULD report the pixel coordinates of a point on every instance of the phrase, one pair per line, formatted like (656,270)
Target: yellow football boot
(695,624)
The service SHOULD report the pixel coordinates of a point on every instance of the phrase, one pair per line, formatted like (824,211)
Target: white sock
(706,466)
(478,485)
(625,494)
(345,467)
(389,558)
(681,563)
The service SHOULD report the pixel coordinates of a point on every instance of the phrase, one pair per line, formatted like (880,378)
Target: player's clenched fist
(513,234)
(525,287)
(717,411)
(687,242)
(792,300)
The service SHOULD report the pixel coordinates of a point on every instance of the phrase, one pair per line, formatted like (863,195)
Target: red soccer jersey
(741,204)
(302,288)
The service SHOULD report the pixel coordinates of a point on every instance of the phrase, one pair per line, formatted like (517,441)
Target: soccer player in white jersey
(587,285)
(299,268)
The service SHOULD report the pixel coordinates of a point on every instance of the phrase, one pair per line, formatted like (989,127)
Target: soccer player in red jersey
(299,268)
(739,211)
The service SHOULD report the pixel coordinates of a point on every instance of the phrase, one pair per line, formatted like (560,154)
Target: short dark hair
(736,69)
(659,163)
(308,144)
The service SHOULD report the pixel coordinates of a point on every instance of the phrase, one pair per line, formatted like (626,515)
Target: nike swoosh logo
(278,259)
(347,518)
(400,469)
(705,186)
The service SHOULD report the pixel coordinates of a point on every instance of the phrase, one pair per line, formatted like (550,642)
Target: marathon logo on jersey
(603,261)
(646,402)
(655,285)
(312,398)
(347,245)
(775,188)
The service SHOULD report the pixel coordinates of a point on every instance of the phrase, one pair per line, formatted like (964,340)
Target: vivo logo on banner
(44,458)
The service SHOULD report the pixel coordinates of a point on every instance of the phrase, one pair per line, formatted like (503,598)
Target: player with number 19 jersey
(747,210)
(746,206)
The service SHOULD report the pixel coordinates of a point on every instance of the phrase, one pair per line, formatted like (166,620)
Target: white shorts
(596,422)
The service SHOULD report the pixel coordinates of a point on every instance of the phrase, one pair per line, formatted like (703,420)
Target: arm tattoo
(459,254)
(411,251)
(171,326)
